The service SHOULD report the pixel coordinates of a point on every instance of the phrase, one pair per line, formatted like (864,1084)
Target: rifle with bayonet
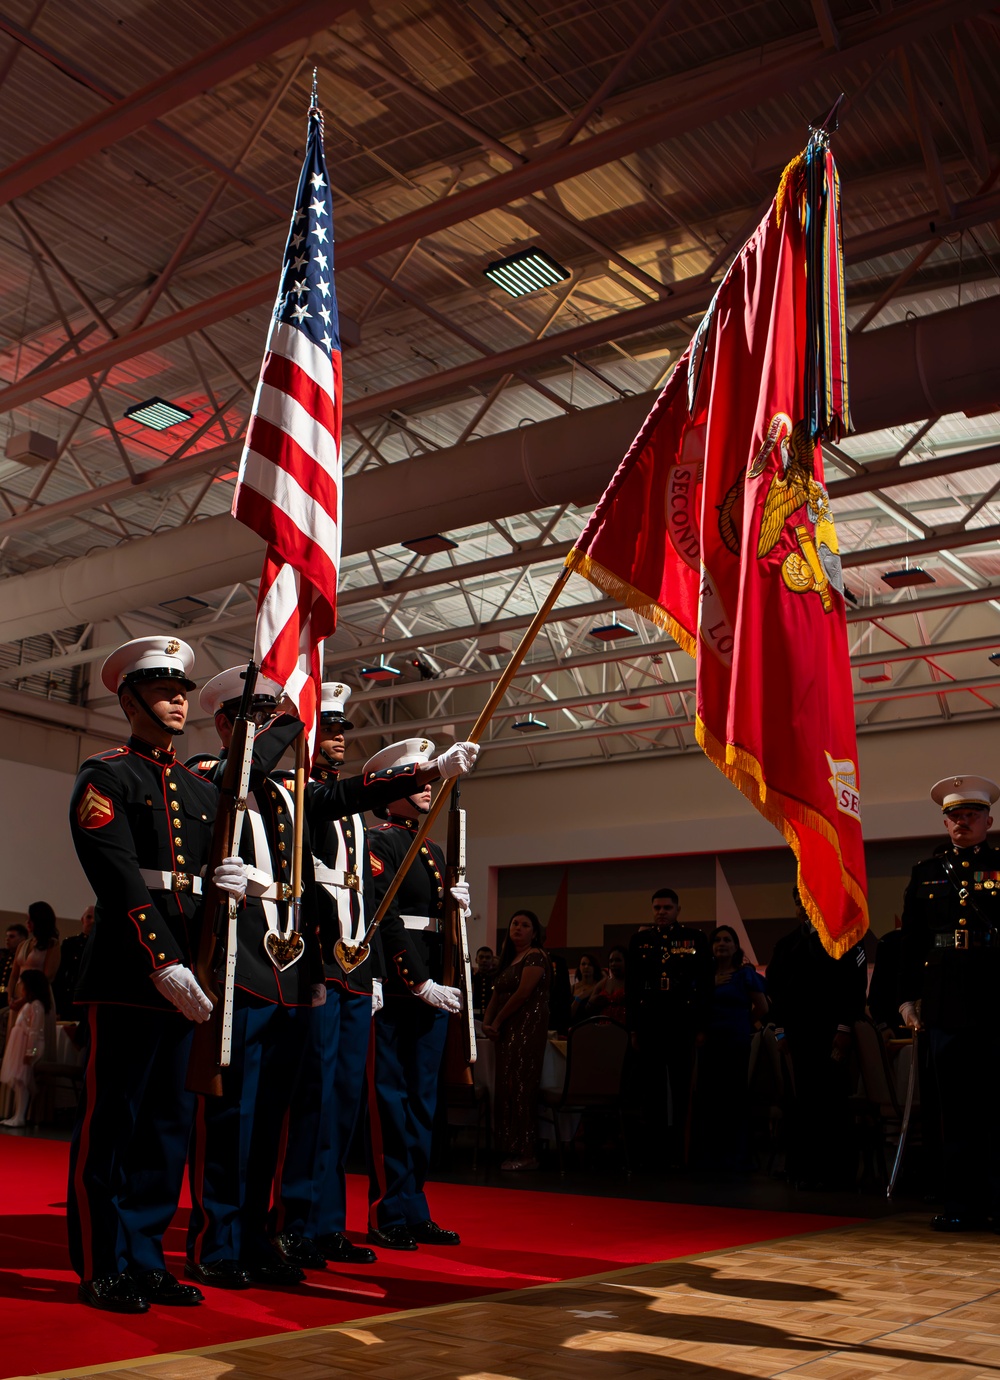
(212,1045)
(460,1052)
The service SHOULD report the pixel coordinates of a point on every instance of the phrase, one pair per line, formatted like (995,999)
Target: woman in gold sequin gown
(518,1019)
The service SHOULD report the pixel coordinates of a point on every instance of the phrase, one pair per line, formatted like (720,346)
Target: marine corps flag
(717,526)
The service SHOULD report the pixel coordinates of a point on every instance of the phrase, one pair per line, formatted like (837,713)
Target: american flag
(291,475)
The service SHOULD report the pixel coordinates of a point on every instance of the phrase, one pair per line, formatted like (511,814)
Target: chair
(595,1059)
(881,1106)
(470,1106)
(769,1081)
(49,1076)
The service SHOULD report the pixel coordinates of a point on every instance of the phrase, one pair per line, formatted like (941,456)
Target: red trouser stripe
(83,1150)
(197,1175)
(375,1127)
(279,1207)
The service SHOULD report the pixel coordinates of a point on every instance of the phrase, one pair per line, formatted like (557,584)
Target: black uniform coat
(255,973)
(669,977)
(138,807)
(811,993)
(411,956)
(957,986)
(331,803)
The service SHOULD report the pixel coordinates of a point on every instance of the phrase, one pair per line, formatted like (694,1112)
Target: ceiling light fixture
(185,606)
(904,579)
(634,704)
(530,270)
(429,546)
(611,632)
(158,414)
(380,674)
(529,725)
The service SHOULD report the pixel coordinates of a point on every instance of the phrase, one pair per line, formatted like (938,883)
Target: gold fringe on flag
(745,772)
(617,588)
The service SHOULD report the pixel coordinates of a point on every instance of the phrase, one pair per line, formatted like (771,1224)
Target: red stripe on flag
(290,542)
(287,376)
(285,453)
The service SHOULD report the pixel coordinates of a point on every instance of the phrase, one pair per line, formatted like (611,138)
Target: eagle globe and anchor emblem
(815,565)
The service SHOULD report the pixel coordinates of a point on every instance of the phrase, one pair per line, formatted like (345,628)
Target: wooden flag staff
(349,956)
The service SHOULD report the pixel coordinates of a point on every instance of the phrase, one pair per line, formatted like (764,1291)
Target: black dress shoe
(113,1293)
(219,1274)
(274,1274)
(430,1234)
(396,1238)
(958,1221)
(295,1249)
(159,1286)
(337,1248)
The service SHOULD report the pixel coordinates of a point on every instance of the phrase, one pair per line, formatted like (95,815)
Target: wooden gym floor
(882,1299)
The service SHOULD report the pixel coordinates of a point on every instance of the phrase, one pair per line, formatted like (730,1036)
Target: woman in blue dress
(722,1099)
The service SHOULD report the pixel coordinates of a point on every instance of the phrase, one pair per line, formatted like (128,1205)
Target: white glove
(231,877)
(378,1001)
(457,760)
(444,998)
(180,987)
(317,994)
(908,1011)
(460,893)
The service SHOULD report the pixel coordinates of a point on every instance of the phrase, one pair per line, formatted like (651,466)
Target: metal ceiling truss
(534,162)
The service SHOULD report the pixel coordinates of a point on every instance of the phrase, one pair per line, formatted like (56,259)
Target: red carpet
(511,1239)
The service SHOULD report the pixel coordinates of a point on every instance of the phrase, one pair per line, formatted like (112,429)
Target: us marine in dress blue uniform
(948,982)
(409,1033)
(237,1136)
(669,983)
(142,827)
(310,1196)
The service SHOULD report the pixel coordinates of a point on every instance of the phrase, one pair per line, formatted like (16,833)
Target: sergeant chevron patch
(94,809)
(378,866)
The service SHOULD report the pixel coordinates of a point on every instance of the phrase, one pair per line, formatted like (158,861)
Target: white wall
(37,860)
(679,805)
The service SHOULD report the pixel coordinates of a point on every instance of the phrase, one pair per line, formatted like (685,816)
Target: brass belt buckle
(353,881)
(285,891)
(180,881)
(961,939)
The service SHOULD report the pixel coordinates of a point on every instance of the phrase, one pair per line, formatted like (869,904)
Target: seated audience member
(721,1103)
(588,974)
(40,953)
(483,979)
(518,1019)
(608,997)
(71,952)
(883,990)
(16,935)
(817,999)
(24,1043)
